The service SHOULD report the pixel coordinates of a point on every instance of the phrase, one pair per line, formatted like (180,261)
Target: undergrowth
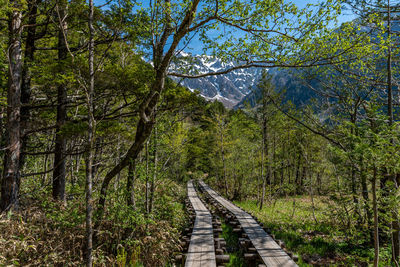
(44,232)
(232,244)
(318,241)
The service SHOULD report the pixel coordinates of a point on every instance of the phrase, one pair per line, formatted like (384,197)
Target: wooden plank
(201,250)
(270,252)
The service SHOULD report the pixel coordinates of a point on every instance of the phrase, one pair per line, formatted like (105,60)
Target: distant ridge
(285,81)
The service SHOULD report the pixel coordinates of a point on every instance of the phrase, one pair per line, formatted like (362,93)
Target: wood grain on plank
(201,248)
(270,252)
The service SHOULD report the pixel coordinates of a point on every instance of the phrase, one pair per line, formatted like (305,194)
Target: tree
(177,22)
(91,139)
(60,140)
(267,93)
(10,181)
(29,53)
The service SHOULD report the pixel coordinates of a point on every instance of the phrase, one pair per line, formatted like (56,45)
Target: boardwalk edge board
(258,242)
(204,247)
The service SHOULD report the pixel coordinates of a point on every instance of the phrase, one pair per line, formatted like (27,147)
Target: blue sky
(346,14)
(195,45)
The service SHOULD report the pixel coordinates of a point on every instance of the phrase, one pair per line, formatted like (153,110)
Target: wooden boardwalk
(269,251)
(201,250)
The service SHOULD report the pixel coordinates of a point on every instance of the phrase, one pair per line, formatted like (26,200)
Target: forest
(99,138)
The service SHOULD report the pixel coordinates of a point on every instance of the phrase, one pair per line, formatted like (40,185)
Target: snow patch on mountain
(228,88)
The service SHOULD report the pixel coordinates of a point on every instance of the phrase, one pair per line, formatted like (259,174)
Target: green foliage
(325,240)
(232,242)
(193,138)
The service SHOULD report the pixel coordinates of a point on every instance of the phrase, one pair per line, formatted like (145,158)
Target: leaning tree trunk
(59,172)
(11,176)
(142,133)
(145,124)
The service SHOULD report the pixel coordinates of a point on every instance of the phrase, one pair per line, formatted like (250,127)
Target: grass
(232,244)
(317,240)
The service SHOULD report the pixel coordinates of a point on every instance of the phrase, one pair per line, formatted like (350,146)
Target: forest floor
(44,232)
(319,239)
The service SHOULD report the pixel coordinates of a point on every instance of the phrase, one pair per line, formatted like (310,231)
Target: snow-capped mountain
(228,88)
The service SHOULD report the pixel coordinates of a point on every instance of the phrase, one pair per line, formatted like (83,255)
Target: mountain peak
(228,88)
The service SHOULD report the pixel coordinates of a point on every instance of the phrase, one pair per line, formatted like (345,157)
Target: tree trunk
(264,151)
(97,146)
(2,138)
(297,178)
(312,199)
(376,227)
(11,173)
(146,191)
(319,182)
(364,186)
(90,141)
(275,175)
(282,174)
(303,175)
(223,158)
(142,134)
(155,158)
(395,225)
(354,189)
(60,143)
(130,185)
(145,124)
(260,178)
(26,74)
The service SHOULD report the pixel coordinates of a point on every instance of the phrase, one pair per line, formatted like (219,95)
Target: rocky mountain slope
(228,88)
(239,86)
(293,89)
